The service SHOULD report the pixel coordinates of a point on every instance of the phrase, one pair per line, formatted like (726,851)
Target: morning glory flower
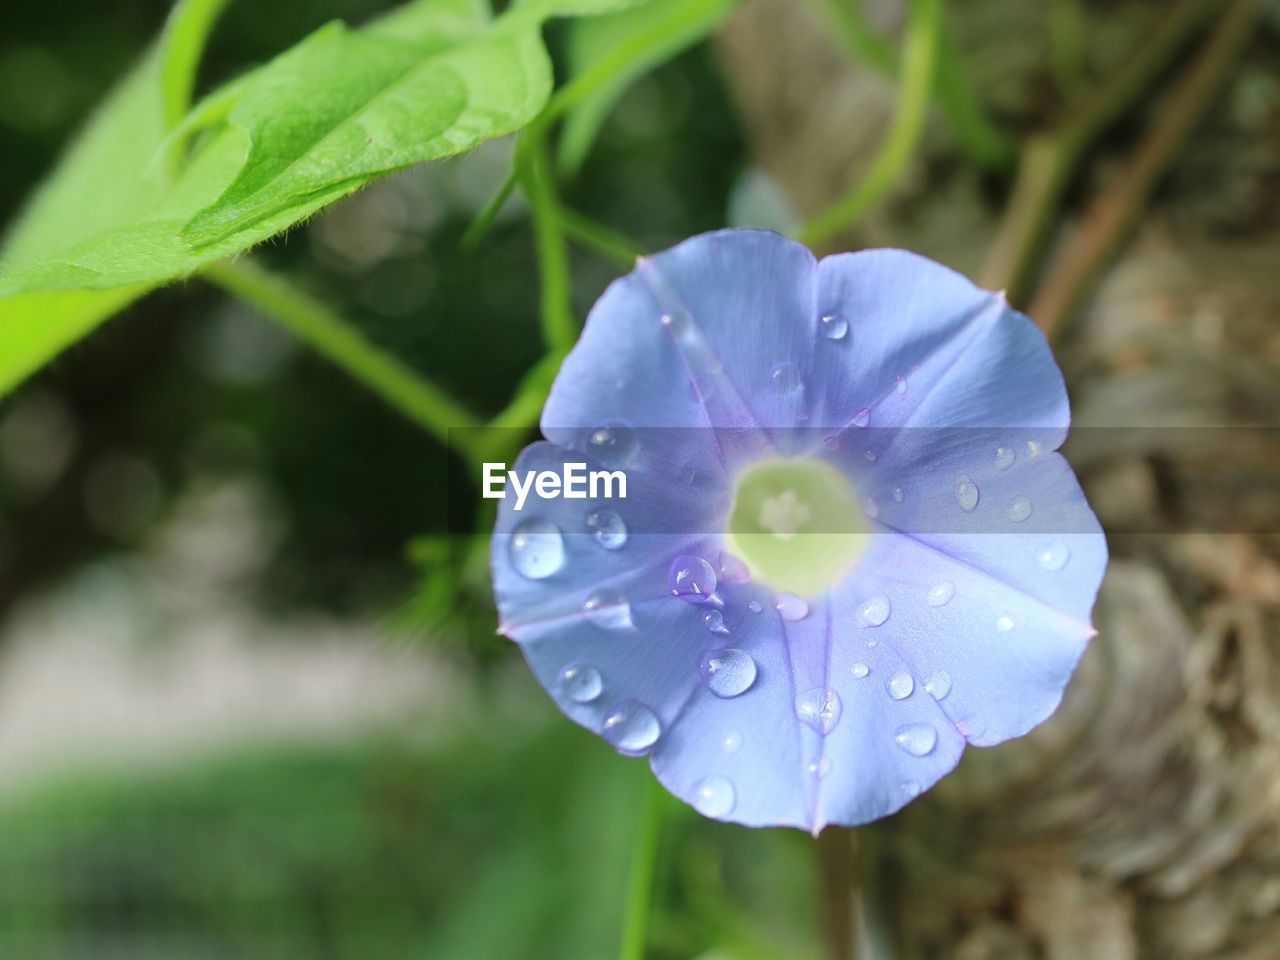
(848,546)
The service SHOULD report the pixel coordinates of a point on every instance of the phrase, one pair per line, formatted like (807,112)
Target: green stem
(185,35)
(977,136)
(600,238)
(644,859)
(1049,160)
(336,340)
(919,58)
(533,166)
(484,220)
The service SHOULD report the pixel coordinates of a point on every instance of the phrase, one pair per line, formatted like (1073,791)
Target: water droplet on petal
(911,788)
(1054,556)
(733,570)
(900,385)
(581,682)
(691,579)
(819,768)
(819,709)
(727,672)
(1004,458)
(607,529)
(859,670)
(869,505)
(1034,448)
(832,442)
(785,378)
(966,494)
(900,685)
(536,549)
(755,606)
(1004,624)
(834,326)
(608,609)
(918,739)
(862,417)
(941,593)
(713,797)
(898,495)
(791,607)
(713,620)
(938,685)
(677,323)
(870,455)
(1020,509)
(875,611)
(612,444)
(631,727)
(731,742)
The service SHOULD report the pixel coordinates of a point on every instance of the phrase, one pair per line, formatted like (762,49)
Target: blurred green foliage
(482,849)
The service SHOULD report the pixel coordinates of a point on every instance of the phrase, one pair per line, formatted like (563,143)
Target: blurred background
(252,703)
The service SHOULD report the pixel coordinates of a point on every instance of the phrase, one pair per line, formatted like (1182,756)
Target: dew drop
(938,685)
(677,323)
(918,739)
(900,685)
(834,326)
(1034,448)
(1004,624)
(713,620)
(819,709)
(898,495)
(631,727)
(755,606)
(791,607)
(607,529)
(1054,556)
(832,442)
(941,593)
(966,494)
(875,611)
(727,672)
(869,505)
(819,768)
(870,455)
(537,549)
(612,444)
(731,742)
(859,670)
(581,682)
(713,797)
(911,789)
(1020,509)
(608,609)
(862,417)
(1004,458)
(900,385)
(691,579)
(785,378)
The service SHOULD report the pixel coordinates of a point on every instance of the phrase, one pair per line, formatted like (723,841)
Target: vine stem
(338,341)
(984,143)
(1049,160)
(919,59)
(533,166)
(1113,214)
(841,892)
(644,859)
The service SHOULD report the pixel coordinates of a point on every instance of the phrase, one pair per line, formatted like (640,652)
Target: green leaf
(429,80)
(620,49)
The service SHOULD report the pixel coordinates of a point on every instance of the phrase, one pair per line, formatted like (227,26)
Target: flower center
(796,524)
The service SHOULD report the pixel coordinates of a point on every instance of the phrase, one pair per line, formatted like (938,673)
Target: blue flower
(848,546)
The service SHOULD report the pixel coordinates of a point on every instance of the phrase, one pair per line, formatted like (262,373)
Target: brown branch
(1049,160)
(1112,215)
